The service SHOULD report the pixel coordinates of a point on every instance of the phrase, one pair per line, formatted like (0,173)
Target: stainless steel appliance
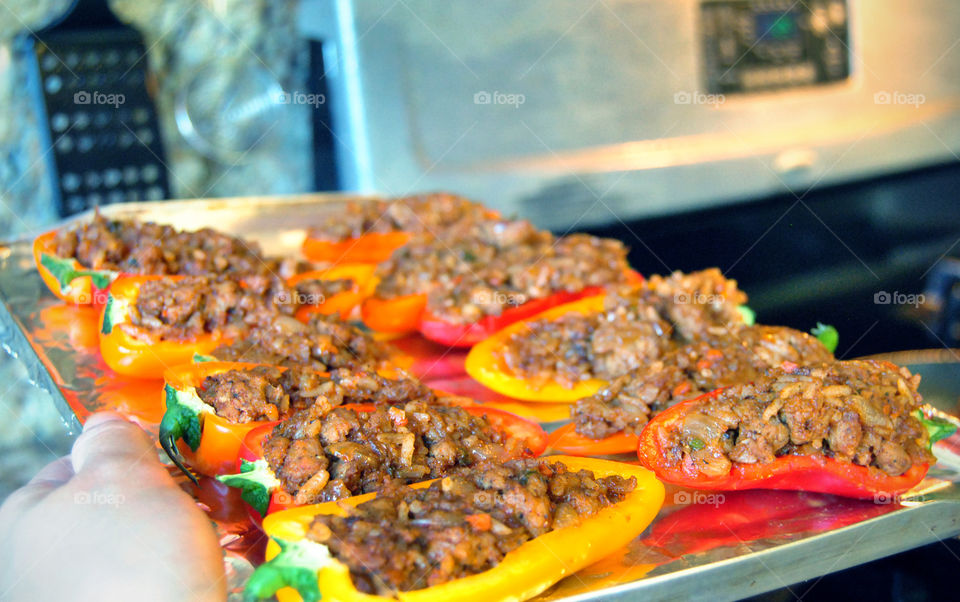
(575,112)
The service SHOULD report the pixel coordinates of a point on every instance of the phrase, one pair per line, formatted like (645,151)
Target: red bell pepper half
(409,313)
(467,335)
(793,472)
(261,489)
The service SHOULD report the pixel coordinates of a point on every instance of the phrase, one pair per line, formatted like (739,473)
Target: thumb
(112,445)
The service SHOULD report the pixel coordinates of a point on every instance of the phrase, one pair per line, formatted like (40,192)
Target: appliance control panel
(758,45)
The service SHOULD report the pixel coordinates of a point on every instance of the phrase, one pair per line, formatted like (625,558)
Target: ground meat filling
(147,248)
(426,213)
(177,309)
(742,355)
(636,328)
(698,305)
(408,539)
(497,265)
(323,343)
(853,411)
(322,456)
(268,393)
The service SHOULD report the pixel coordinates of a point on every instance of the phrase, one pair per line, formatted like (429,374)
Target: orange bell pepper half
(298,569)
(398,315)
(566,440)
(485,365)
(66,278)
(372,247)
(261,488)
(342,303)
(190,431)
(135,351)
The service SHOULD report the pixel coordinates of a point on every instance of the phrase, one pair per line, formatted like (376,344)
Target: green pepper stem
(295,566)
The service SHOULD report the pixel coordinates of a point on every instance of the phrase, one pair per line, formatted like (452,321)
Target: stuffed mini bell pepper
(363,548)
(572,351)
(370,231)
(211,406)
(322,455)
(852,428)
(66,277)
(152,323)
(609,421)
(458,290)
(79,261)
(409,313)
(337,290)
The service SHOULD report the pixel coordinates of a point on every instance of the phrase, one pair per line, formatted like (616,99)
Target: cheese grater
(88,76)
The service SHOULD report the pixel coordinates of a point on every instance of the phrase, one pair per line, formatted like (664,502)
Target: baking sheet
(702,545)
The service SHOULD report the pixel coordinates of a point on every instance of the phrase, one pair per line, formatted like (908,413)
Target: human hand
(107,522)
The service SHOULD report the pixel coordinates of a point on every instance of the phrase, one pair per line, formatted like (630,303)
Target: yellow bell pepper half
(522,574)
(485,365)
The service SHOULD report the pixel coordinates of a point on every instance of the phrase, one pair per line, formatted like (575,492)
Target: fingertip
(109,440)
